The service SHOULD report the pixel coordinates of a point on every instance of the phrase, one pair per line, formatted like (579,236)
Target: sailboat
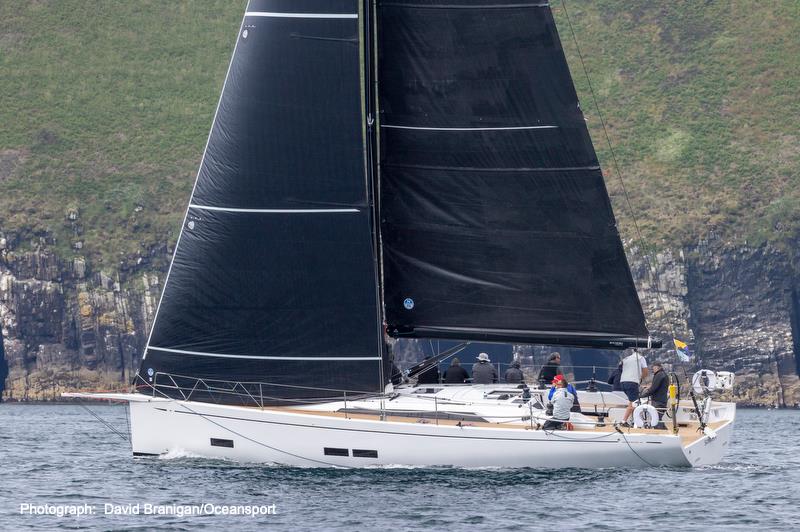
(391,169)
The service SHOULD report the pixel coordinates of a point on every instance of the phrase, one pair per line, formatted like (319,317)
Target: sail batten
(274,211)
(491,169)
(478,5)
(462,129)
(300,15)
(257,357)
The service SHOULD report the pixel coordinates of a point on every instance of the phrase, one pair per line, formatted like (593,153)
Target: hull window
(336,451)
(364,453)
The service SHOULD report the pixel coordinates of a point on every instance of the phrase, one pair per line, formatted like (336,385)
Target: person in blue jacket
(576,407)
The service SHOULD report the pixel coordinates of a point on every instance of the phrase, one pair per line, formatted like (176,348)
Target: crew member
(482,371)
(550,370)
(514,374)
(659,388)
(455,374)
(613,379)
(562,404)
(576,406)
(430,375)
(634,370)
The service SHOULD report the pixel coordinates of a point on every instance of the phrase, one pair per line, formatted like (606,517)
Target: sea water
(62,469)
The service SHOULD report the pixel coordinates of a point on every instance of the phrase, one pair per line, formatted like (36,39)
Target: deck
(688,433)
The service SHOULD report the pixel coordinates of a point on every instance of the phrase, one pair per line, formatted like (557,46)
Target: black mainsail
(477,212)
(274,277)
(495,220)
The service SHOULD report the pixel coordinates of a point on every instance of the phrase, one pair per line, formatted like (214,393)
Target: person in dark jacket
(659,388)
(514,374)
(430,375)
(613,379)
(482,371)
(550,370)
(455,374)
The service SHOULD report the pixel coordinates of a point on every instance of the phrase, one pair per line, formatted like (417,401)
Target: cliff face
(67,326)
(737,307)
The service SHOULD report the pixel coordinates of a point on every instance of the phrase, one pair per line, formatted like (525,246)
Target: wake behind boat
(407,170)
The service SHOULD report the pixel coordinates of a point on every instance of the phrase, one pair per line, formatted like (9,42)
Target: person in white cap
(482,371)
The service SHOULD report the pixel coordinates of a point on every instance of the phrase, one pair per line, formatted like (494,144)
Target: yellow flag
(679,344)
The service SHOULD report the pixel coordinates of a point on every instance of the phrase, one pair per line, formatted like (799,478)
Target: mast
(369,70)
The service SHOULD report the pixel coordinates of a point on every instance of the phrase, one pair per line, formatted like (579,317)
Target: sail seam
(272,211)
(587,334)
(508,128)
(258,357)
(299,15)
(491,169)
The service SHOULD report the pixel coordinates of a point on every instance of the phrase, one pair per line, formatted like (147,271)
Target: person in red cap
(576,406)
(561,402)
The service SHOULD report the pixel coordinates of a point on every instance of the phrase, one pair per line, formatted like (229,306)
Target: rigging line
(242,383)
(439,358)
(625,438)
(128,423)
(203,416)
(108,425)
(646,253)
(554,432)
(539,417)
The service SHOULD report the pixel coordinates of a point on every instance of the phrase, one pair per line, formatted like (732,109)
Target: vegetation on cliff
(701,103)
(105,109)
(106,105)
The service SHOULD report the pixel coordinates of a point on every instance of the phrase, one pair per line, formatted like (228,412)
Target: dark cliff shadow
(795,317)
(3,366)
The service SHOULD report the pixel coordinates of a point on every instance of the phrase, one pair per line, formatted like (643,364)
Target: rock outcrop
(736,306)
(68,326)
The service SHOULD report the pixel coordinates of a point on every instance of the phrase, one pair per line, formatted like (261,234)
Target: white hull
(283,436)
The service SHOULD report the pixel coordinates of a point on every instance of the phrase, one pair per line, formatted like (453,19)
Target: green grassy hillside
(701,100)
(105,107)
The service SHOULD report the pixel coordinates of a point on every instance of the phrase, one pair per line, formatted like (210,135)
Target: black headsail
(274,278)
(495,220)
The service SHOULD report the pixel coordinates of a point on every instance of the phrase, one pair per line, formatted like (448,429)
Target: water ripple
(58,454)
